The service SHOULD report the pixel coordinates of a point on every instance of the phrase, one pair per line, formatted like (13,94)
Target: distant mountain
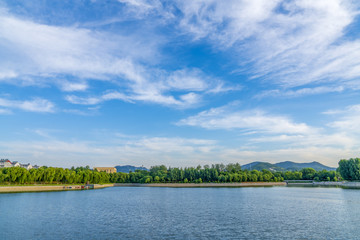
(262,165)
(297,166)
(285,166)
(128,168)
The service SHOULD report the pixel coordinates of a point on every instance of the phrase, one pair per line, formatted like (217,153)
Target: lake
(183,213)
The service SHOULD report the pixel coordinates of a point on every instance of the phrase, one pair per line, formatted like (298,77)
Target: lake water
(183,213)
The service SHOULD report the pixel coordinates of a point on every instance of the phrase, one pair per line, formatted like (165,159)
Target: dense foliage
(350,169)
(159,174)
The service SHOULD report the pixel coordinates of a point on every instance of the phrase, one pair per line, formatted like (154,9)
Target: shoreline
(39,188)
(54,188)
(201,185)
(77,187)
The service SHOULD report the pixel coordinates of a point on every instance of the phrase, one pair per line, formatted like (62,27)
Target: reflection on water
(182,213)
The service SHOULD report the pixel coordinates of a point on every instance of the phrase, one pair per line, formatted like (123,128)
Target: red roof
(8,161)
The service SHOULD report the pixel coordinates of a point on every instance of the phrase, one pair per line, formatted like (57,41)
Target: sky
(179,83)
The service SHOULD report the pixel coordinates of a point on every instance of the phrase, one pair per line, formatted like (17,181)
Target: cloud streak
(289,43)
(349,119)
(227,117)
(183,88)
(175,152)
(39,54)
(34,105)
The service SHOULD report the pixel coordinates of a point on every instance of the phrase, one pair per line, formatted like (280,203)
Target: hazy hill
(297,166)
(285,166)
(261,165)
(128,168)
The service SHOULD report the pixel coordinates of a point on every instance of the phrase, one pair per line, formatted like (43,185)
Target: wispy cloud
(39,54)
(299,92)
(185,101)
(224,22)
(5,111)
(348,119)
(229,117)
(339,140)
(34,105)
(68,86)
(96,100)
(89,111)
(38,49)
(182,88)
(143,7)
(257,127)
(158,150)
(117,150)
(290,43)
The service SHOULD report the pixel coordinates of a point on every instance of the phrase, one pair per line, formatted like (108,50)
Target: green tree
(308,173)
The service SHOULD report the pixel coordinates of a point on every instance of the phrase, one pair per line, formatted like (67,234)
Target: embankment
(355,185)
(48,188)
(192,185)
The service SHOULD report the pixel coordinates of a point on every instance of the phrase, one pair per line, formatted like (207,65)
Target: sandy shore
(192,185)
(39,188)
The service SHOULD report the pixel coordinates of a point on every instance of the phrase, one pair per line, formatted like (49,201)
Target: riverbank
(49,188)
(194,185)
(344,184)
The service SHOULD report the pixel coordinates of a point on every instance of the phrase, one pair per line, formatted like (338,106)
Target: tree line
(218,173)
(350,169)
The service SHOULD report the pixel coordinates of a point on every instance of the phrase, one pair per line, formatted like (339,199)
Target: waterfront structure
(105,169)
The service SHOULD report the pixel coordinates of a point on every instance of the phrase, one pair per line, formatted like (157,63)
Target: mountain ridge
(286,166)
(129,168)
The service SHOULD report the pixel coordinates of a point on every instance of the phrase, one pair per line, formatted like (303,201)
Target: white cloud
(142,6)
(39,54)
(183,88)
(146,151)
(315,139)
(35,105)
(261,130)
(185,79)
(5,111)
(227,117)
(68,86)
(38,49)
(96,100)
(184,101)
(149,151)
(228,21)
(299,92)
(291,43)
(86,112)
(5,74)
(348,119)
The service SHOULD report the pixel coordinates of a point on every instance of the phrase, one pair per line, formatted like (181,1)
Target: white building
(27,166)
(15,164)
(5,163)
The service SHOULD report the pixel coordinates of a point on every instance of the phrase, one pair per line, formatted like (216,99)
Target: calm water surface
(183,213)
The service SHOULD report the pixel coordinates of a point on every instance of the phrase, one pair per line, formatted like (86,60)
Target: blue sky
(180,83)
